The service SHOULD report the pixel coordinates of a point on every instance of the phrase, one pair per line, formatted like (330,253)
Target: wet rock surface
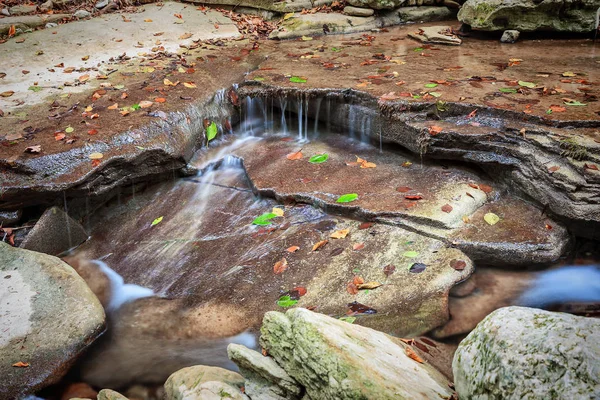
(36,347)
(377,4)
(530,16)
(335,359)
(54,233)
(436,34)
(516,352)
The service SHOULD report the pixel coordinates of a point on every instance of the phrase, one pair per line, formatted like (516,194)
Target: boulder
(530,15)
(425,13)
(527,353)
(436,34)
(78,390)
(8,218)
(82,14)
(334,359)
(377,4)
(54,233)
(202,382)
(108,394)
(358,11)
(265,379)
(510,36)
(49,316)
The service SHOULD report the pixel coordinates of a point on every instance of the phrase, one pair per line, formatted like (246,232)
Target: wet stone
(436,34)
(54,233)
(510,36)
(358,11)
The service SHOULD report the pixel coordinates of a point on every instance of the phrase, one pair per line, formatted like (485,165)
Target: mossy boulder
(334,359)
(530,15)
(527,353)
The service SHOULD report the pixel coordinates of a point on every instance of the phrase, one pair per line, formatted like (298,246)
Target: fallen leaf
(485,188)
(11,31)
(412,355)
(96,156)
(526,84)
(357,308)
(555,108)
(167,82)
(280,266)
(347,198)
(336,252)
(413,197)
(434,130)
(553,168)
(403,189)
(157,221)
(184,36)
(92,132)
(83,78)
(368,285)
(21,364)
(295,156)
(147,20)
(358,280)
(8,93)
(351,288)
(13,136)
(341,234)
(568,73)
(417,268)
(458,265)
(34,149)
(277,211)
(292,249)
(411,254)
(319,158)
(113,107)
(320,244)
(491,218)
(590,166)
(358,246)
(389,269)
(365,225)
(145,104)
(190,85)
(447,208)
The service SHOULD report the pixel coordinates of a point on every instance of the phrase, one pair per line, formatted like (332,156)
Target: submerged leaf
(156,221)
(411,254)
(491,218)
(297,79)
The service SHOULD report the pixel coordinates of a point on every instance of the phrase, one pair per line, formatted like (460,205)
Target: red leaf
(280,266)
(365,225)
(403,189)
(447,208)
(413,197)
(458,265)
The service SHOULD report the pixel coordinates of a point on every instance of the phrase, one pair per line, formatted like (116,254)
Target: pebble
(51,25)
(5,11)
(101,4)
(510,36)
(81,14)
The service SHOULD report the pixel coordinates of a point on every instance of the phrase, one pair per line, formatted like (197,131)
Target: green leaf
(416,96)
(491,218)
(431,85)
(264,219)
(35,88)
(574,103)
(135,107)
(69,129)
(336,49)
(119,87)
(418,49)
(527,84)
(347,198)
(349,320)
(549,111)
(319,158)
(297,79)
(411,254)
(507,90)
(211,131)
(156,221)
(259,79)
(286,301)
(435,94)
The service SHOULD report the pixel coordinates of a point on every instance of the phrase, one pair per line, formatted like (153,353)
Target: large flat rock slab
(449,203)
(49,316)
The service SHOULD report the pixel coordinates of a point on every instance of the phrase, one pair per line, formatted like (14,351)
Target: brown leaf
(341,234)
(458,265)
(8,93)
(13,136)
(184,36)
(485,188)
(389,270)
(113,107)
(365,225)
(403,189)
(336,252)
(280,266)
(295,156)
(447,208)
(160,100)
(320,244)
(411,354)
(34,149)
(145,104)
(358,246)
(83,78)
(301,290)
(368,285)
(553,168)
(590,166)
(555,108)
(12,31)
(413,197)
(351,288)
(292,249)
(59,136)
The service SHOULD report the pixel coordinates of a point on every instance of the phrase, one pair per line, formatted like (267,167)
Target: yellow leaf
(181,70)
(148,20)
(277,211)
(342,233)
(368,285)
(184,36)
(288,16)
(167,82)
(96,156)
(491,218)
(410,353)
(113,107)
(306,38)
(189,85)
(367,164)
(568,73)
(320,244)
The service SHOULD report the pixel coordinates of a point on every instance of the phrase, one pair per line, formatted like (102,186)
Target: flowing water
(163,312)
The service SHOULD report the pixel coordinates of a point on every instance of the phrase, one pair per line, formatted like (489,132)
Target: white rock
(526,353)
(82,14)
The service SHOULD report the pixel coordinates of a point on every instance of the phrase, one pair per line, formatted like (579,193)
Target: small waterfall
(283,107)
(300,105)
(317,112)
